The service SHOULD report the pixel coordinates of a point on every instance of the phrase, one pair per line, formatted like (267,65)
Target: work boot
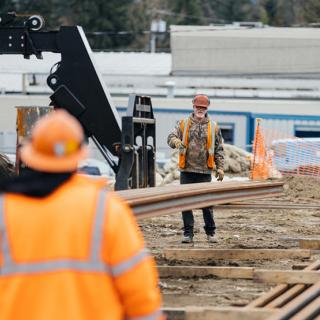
(187,239)
(211,238)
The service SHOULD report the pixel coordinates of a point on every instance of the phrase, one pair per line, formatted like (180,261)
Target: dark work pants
(187,216)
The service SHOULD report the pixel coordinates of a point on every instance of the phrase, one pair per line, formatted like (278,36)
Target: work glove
(219,174)
(178,144)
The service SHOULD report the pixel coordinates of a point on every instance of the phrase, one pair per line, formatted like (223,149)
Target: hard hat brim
(40,162)
(201,105)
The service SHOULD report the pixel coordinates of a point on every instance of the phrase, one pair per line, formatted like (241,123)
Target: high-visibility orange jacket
(76,254)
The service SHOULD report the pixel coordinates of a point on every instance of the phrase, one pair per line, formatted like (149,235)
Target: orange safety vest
(212,130)
(76,254)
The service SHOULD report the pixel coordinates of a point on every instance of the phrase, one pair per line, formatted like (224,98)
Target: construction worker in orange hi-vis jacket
(68,248)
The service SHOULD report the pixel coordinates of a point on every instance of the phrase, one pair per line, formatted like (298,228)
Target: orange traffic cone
(260,160)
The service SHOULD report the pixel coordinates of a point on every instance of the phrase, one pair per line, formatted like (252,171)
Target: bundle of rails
(158,201)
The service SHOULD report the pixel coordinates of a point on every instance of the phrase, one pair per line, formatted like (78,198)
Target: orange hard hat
(201,100)
(56,144)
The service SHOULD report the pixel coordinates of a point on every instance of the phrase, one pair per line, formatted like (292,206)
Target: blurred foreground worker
(69,249)
(200,145)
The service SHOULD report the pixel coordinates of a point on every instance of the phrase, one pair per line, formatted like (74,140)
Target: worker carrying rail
(68,248)
(200,145)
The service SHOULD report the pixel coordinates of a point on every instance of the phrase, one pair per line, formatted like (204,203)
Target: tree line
(125,24)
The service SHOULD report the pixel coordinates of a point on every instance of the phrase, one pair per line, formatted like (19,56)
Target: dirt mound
(302,187)
(237,160)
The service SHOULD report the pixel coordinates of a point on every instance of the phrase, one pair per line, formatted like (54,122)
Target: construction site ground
(253,228)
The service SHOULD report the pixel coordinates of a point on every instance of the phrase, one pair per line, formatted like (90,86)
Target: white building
(211,50)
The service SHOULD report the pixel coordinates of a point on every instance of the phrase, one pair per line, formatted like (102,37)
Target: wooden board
(228,313)
(199,271)
(286,296)
(234,254)
(174,313)
(269,296)
(260,275)
(289,277)
(309,244)
(299,266)
(219,313)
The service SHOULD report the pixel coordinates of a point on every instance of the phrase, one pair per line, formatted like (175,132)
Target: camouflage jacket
(197,153)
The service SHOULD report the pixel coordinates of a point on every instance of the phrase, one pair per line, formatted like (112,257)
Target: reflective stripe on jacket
(77,254)
(212,129)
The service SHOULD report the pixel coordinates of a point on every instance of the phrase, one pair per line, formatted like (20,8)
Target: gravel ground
(260,228)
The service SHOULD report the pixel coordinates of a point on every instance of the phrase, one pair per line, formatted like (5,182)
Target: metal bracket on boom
(78,88)
(138,146)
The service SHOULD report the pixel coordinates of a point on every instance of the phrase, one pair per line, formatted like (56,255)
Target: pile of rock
(237,161)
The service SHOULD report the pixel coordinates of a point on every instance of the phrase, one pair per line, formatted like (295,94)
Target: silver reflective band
(4,236)
(128,264)
(93,264)
(55,265)
(155,315)
(97,231)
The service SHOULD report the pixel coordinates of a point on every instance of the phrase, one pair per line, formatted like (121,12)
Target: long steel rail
(157,201)
(267,205)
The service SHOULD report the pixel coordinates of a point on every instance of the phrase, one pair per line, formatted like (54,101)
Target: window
(227,131)
(307,131)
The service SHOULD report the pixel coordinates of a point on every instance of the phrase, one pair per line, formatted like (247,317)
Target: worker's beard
(199,114)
